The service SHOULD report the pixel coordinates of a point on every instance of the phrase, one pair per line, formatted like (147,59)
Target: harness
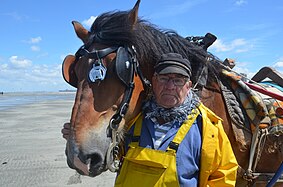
(148,167)
(261,115)
(126,65)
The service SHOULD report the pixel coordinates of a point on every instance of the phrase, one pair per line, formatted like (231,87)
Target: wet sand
(32,148)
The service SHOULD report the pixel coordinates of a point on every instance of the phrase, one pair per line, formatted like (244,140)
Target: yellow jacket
(218,163)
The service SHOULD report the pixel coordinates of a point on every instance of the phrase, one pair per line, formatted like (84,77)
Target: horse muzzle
(91,165)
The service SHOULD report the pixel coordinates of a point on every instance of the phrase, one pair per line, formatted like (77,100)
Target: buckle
(97,72)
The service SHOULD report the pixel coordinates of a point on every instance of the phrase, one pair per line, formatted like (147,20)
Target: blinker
(97,72)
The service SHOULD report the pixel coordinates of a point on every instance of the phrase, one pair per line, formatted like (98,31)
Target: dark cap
(173,63)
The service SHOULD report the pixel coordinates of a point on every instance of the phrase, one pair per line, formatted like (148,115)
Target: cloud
(240,2)
(20,63)
(15,16)
(279,64)
(238,45)
(35,48)
(34,43)
(30,77)
(241,68)
(35,40)
(3,66)
(89,21)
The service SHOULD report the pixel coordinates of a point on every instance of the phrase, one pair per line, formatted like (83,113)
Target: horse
(112,72)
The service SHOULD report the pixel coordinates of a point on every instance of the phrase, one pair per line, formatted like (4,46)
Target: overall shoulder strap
(184,129)
(137,131)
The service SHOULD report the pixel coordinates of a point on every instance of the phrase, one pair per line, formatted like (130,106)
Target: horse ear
(81,32)
(133,16)
(68,71)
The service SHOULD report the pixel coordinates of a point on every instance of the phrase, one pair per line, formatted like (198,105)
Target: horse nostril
(83,158)
(96,160)
(96,164)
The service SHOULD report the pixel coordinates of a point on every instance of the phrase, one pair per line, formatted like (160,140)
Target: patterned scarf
(180,113)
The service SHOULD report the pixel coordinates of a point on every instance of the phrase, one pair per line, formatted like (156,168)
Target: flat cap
(173,63)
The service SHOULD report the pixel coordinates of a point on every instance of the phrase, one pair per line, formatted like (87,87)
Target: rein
(126,65)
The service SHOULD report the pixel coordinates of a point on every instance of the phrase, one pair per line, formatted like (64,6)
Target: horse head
(110,88)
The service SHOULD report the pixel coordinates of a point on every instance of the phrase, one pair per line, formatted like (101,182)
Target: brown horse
(112,71)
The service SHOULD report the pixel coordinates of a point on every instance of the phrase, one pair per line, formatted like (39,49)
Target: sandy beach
(32,148)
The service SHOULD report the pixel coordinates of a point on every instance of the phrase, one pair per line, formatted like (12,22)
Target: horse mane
(115,29)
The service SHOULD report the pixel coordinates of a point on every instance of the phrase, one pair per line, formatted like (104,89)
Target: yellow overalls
(145,167)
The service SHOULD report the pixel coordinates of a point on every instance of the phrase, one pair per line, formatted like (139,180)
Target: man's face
(170,90)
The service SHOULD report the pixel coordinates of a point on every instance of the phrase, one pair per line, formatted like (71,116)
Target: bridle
(126,66)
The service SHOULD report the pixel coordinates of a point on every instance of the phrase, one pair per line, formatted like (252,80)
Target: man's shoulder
(211,122)
(209,114)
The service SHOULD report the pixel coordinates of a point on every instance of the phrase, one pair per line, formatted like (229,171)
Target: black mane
(115,29)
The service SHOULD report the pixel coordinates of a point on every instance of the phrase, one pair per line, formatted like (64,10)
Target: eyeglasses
(177,81)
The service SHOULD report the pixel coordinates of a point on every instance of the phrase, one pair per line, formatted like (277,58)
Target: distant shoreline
(15,99)
(67,90)
(36,92)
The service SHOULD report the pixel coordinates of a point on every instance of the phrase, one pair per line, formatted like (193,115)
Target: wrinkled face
(170,90)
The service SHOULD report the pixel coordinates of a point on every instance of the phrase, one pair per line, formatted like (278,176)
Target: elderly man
(176,141)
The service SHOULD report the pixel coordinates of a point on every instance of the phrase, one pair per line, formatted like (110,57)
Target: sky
(36,35)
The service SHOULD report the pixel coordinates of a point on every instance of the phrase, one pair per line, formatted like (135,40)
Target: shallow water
(13,99)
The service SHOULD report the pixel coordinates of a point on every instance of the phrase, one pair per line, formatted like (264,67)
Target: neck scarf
(179,114)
